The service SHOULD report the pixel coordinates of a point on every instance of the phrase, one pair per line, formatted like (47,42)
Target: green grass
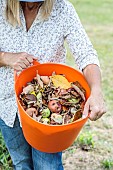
(94,12)
(107,164)
(85,141)
(5,160)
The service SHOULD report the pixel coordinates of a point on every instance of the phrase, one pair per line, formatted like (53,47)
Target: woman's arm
(17,61)
(95,103)
(2,59)
(87,61)
(78,40)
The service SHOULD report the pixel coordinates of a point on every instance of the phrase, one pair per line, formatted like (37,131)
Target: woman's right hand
(18,61)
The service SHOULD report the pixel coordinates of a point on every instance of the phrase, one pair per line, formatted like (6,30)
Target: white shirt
(44,40)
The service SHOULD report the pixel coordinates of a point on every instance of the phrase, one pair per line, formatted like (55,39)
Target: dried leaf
(39,80)
(60,81)
(28,89)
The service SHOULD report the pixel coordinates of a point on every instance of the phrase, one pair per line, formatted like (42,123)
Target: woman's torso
(44,40)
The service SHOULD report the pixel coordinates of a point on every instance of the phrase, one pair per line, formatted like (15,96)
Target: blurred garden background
(93,150)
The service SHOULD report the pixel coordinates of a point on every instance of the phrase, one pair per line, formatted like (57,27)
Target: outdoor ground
(97,18)
(93,150)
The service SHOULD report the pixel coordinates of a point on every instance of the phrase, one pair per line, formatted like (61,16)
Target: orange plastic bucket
(49,138)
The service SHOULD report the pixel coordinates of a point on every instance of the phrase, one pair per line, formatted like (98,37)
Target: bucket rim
(49,63)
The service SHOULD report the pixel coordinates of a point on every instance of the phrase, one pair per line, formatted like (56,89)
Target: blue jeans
(25,157)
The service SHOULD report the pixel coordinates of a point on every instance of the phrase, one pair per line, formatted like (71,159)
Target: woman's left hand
(95,105)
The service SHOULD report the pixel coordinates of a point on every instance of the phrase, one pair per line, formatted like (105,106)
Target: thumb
(86,110)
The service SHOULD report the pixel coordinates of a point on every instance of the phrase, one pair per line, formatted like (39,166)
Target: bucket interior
(47,69)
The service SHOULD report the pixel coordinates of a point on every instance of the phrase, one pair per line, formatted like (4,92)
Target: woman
(37,29)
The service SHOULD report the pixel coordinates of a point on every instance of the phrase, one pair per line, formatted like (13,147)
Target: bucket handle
(35,62)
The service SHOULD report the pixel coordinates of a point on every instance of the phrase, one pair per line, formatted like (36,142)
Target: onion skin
(45,79)
(31,111)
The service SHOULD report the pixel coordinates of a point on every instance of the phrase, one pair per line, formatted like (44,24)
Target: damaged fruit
(53,100)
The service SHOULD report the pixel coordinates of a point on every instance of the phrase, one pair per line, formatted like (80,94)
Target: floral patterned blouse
(44,40)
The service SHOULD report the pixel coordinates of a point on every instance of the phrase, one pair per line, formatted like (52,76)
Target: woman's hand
(18,61)
(95,105)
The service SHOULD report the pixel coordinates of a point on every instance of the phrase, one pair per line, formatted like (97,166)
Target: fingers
(95,106)
(96,113)
(19,66)
(27,59)
(30,58)
(24,60)
(102,111)
(86,110)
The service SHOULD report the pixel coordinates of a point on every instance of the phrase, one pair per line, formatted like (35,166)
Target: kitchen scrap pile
(53,100)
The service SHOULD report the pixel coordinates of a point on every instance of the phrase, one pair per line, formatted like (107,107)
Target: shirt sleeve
(78,41)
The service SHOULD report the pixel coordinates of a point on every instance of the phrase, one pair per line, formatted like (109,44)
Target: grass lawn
(93,149)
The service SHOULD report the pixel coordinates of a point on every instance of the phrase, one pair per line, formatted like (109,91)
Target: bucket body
(49,138)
